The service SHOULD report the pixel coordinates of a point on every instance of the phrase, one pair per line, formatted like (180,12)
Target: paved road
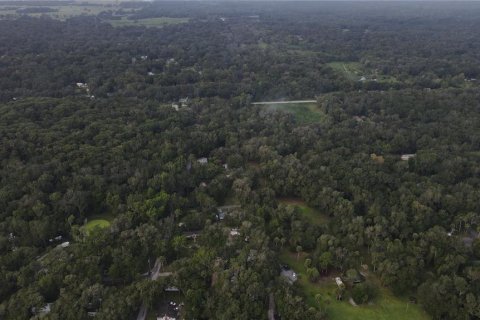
(154,274)
(142,313)
(155,270)
(271,307)
(285,102)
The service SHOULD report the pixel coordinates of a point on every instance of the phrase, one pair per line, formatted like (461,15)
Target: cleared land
(386,306)
(351,70)
(305,111)
(354,71)
(99,221)
(313,215)
(62,12)
(150,22)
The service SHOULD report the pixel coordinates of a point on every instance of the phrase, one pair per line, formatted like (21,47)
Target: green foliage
(88,130)
(364,292)
(155,207)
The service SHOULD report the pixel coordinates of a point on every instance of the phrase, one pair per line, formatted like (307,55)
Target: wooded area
(136,172)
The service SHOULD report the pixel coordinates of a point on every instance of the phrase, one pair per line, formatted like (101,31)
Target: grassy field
(151,22)
(351,70)
(303,112)
(314,216)
(64,12)
(354,71)
(385,307)
(98,221)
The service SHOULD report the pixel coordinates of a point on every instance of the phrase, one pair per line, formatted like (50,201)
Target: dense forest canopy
(138,179)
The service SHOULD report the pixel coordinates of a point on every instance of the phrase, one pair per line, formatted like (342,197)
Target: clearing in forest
(98,221)
(351,70)
(59,12)
(149,22)
(385,306)
(355,71)
(313,215)
(304,111)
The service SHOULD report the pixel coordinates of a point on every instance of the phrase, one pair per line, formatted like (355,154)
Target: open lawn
(303,112)
(354,71)
(385,307)
(150,22)
(98,221)
(351,70)
(313,215)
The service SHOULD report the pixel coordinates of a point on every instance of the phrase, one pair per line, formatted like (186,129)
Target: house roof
(289,275)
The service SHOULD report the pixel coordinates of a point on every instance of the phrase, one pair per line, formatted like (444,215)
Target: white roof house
(203,160)
(82,85)
(64,244)
(183,101)
(289,275)
(406,157)
(43,310)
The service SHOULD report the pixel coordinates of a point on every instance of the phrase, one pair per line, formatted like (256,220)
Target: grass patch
(303,112)
(312,215)
(351,70)
(385,307)
(150,22)
(97,221)
(354,71)
(63,12)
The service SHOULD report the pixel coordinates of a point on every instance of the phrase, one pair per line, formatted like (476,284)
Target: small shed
(202,160)
(64,244)
(82,85)
(408,156)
